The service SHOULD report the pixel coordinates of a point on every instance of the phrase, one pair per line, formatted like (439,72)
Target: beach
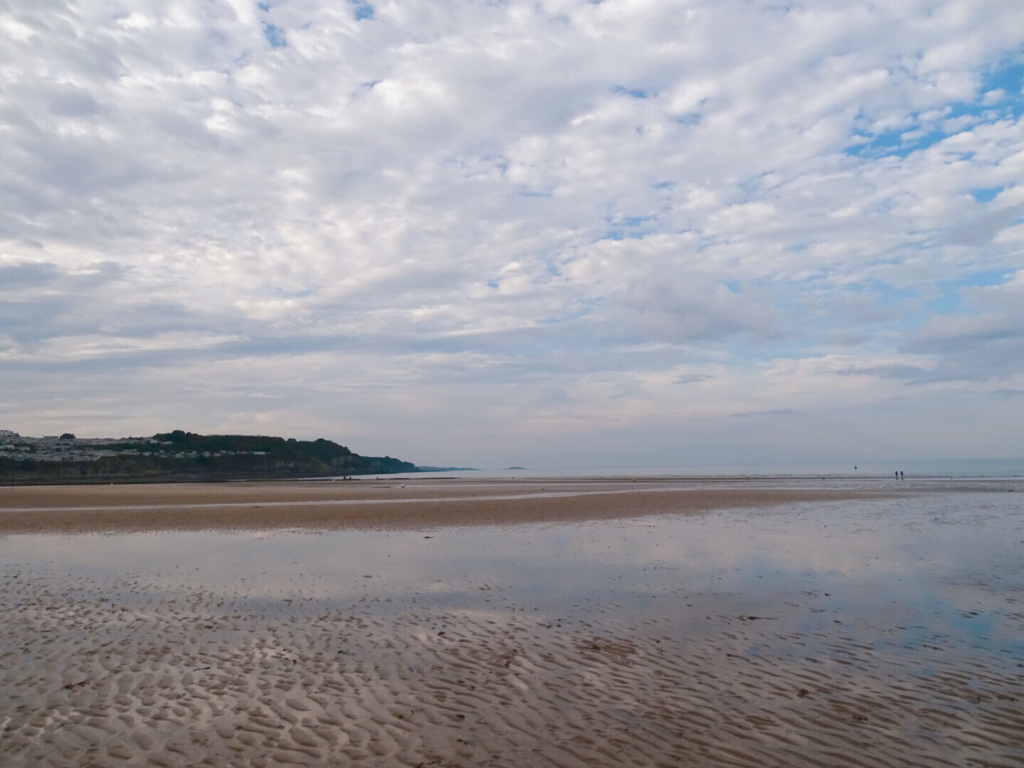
(404,503)
(570,622)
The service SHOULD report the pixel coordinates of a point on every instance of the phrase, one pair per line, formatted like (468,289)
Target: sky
(552,234)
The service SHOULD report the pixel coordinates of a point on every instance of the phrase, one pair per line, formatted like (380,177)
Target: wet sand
(187,684)
(846,631)
(407,504)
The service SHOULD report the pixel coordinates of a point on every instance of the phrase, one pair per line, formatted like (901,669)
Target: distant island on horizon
(180,456)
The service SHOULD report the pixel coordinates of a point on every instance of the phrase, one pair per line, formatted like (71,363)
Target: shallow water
(787,635)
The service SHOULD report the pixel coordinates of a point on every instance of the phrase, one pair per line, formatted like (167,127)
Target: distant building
(8,433)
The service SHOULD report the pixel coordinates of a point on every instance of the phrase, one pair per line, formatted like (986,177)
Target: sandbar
(371,504)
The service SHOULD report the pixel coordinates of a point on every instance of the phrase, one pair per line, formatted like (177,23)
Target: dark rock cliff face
(184,456)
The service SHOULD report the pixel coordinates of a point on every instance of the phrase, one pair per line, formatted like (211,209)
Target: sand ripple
(137,678)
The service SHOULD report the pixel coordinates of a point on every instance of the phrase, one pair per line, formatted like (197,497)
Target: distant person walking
(901,474)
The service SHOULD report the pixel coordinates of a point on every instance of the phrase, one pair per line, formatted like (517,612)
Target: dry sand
(369,504)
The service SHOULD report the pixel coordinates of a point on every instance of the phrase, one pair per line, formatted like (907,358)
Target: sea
(996,468)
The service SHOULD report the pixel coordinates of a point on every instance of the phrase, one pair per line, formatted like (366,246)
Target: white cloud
(542,214)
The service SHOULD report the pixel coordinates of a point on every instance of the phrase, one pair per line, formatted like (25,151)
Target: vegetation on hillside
(180,455)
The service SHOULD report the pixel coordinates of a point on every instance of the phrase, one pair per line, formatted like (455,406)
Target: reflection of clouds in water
(882,548)
(744,540)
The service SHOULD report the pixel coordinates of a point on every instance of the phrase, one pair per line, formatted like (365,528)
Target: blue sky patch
(901,142)
(634,221)
(628,227)
(275,35)
(986,195)
(636,93)
(363,10)
(895,144)
(1010,79)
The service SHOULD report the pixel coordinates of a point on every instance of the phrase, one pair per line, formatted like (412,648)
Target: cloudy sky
(549,233)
